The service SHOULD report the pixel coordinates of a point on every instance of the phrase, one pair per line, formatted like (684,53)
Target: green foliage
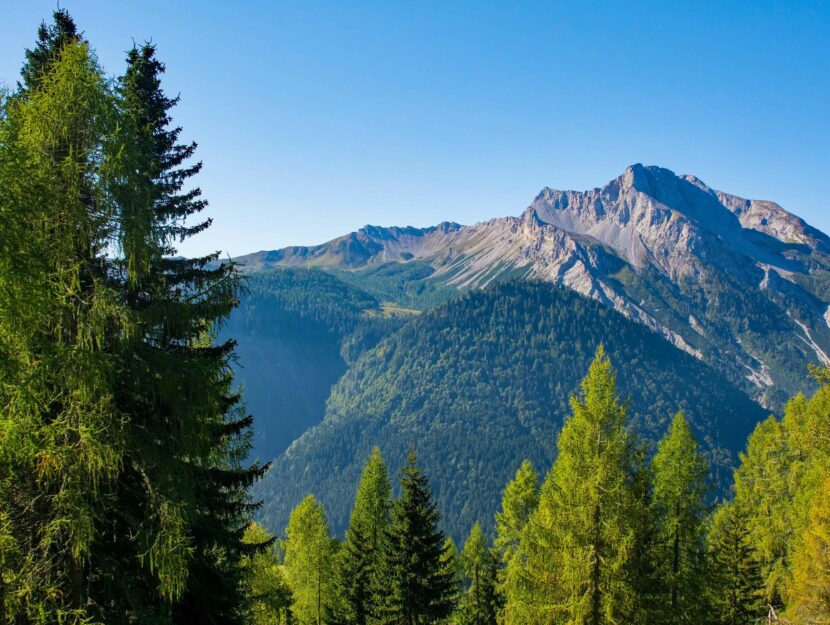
(734,573)
(520,498)
(267,593)
(481,603)
(309,563)
(575,556)
(420,582)
(360,583)
(679,509)
(481,383)
(122,492)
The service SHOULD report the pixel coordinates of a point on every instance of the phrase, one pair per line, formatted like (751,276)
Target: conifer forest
(402,426)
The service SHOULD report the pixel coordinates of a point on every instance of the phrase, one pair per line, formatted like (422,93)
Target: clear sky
(314,119)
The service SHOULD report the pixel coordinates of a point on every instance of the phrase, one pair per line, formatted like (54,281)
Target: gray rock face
(741,284)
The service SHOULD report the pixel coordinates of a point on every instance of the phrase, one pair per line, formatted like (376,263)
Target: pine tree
(734,573)
(679,507)
(359,581)
(51,39)
(309,563)
(575,558)
(480,604)
(420,585)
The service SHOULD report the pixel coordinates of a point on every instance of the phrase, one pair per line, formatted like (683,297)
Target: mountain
(741,285)
(480,383)
(296,333)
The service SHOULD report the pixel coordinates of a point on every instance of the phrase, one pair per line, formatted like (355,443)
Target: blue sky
(314,119)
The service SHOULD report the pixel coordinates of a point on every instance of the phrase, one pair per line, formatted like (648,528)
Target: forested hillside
(296,332)
(478,384)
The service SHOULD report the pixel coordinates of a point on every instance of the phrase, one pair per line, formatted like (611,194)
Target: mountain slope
(740,284)
(480,383)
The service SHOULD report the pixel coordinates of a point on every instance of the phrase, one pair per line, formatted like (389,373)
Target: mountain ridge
(713,273)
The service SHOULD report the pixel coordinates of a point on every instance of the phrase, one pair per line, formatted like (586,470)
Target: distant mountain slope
(296,332)
(480,383)
(741,284)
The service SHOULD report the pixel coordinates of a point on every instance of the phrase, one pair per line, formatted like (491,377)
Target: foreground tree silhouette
(421,586)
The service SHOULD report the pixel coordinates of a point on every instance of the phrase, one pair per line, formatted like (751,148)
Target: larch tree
(309,563)
(679,506)
(576,553)
(480,603)
(520,498)
(420,582)
(359,581)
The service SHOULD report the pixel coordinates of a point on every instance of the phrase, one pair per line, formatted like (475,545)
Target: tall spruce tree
(575,558)
(309,563)
(359,581)
(734,575)
(187,429)
(421,586)
(678,503)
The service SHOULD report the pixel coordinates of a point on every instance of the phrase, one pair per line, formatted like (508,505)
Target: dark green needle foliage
(420,586)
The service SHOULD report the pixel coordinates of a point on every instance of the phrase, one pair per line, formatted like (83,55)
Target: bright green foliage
(420,582)
(309,563)
(809,591)
(480,603)
(453,566)
(359,581)
(520,498)
(268,596)
(734,572)
(763,486)
(122,490)
(61,434)
(679,509)
(575,556)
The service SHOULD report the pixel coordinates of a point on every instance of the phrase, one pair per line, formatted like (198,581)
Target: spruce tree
(421,586)
(309,563)
(733,574)
(679,475)
(179,384)
(359,581)
(575,558)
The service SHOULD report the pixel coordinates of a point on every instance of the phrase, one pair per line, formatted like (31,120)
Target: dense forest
(482,382)
(125,485)
(609,535)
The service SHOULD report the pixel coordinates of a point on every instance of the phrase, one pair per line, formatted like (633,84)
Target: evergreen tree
(51,39)
(61,328)
(809,592)
(309,563)
(178,385)
(480,604)
(679,506)
(734,572)
(420,583)
(575,558)
(267,592)
(360,585)
(520,498)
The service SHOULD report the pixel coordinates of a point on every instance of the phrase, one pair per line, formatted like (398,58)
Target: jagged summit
(706,269)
